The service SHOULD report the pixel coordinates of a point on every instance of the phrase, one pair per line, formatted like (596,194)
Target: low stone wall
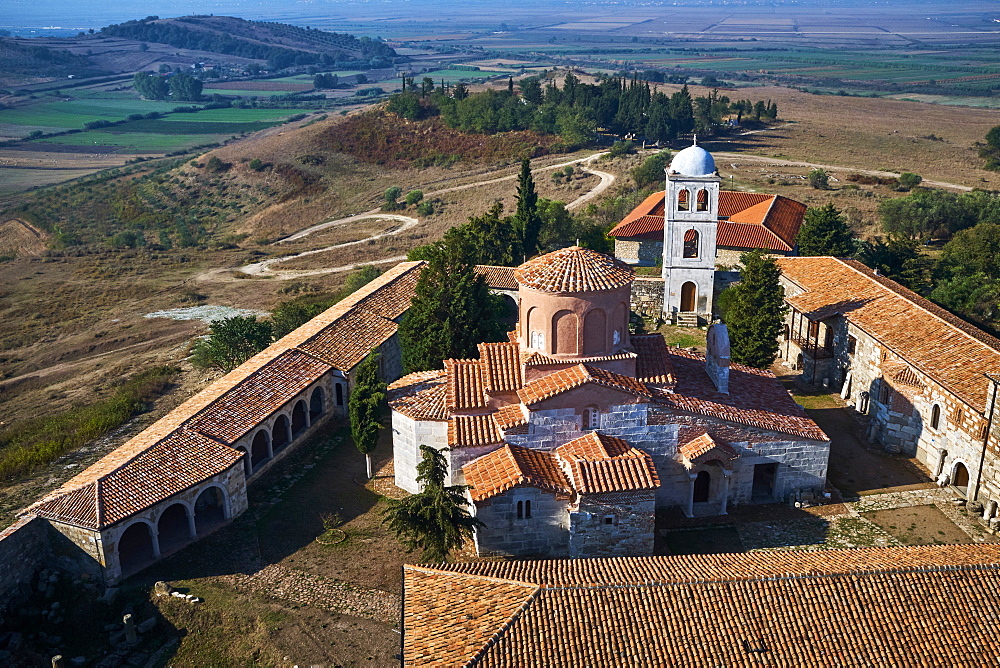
(647,296)
(24,549)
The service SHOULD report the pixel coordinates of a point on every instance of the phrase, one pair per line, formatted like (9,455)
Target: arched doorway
(209,510)
(135,548)
(258,450)
(299,422)
(689,293)
(702,484)
(173,528)
(316,404)
(279,434)
(961,478)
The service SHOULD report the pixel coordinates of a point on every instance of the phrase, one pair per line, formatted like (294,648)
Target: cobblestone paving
(279,581)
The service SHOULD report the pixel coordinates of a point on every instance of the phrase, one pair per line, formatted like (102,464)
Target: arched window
(524,510)
(682,200)
(935,416)
(537,340)
(702,200)
(691,244)
(591,418)
(520,510)
(527,510)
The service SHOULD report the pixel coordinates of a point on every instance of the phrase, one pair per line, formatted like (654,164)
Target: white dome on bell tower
(693,161)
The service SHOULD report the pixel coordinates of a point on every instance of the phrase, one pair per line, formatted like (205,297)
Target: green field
(72,114)
(452,76)
(133,142)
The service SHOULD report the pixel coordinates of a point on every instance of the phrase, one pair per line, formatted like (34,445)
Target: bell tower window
(691,244)
(683,200)
(702,200)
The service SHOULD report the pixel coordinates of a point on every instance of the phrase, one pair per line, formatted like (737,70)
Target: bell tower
(690,219)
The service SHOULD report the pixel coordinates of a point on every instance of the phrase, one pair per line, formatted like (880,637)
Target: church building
(571,434)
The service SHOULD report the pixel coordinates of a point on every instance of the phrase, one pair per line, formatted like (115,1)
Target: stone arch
(509,313)
(960,477)
(280,436)
(590,420)
(173,528)
(247,465)
(595,332)
(300,418)
(936,416)
(210,509)
(683,200)
(536,331)
(565,333)
(260,449)
(136,548)
(689,296)
(702,202)
(317,404)
(691,238)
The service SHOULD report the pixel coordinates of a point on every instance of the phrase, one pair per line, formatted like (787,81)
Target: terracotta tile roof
(473,430)
(466,385)
(940,345)
(901,373)
(705,448)
(746,220)
(349,339)
(251,402)
(513,466)
(863,607)
(653,365)
(574,269)
(599,464)
(502,367)
(497,278)
(560,381)
(174,464)
(755,398)
(421,395)
(510,416)
(538,359)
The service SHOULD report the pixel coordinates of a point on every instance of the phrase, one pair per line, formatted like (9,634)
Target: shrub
(414,196)
(256,164)
(819,179)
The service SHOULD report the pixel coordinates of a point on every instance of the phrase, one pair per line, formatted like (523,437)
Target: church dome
(574,269)
(693,161)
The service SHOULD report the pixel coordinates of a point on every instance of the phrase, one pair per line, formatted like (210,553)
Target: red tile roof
(421,395)
(599,463)
(513,466)
(944,347)
(864,607)
(176,463)
(560,381)
(746,220)
(262,393)
(704,447)
(653,365)
(510,416)
(502,367)
(756,398)
(574,269)
(349,339)
(496,277)
(466,386)
(473,430)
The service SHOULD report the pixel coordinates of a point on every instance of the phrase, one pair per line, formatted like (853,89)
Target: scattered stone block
(162,588)
(147,625)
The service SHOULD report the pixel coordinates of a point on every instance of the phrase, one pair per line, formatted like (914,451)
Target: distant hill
(22,59)
(279,44)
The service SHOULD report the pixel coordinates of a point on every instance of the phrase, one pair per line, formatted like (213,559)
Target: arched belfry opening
(683,200)
(691,244)
(702,200)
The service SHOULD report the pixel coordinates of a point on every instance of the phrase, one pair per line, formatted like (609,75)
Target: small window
(682,200)
(339,388)
(591,419)
(703,200)
(884,393)
(616,338)
(524,510)
(609,519)
(520,510)
(691,244)
(527,510)
(852,344)
(537,340)
(935,416)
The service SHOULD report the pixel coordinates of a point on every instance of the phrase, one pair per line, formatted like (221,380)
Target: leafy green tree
(972,251)
(972,296)
(824,232)
(452,311)
(909,180)
(185,87)
(526,219)
(231,342)
(898,259)
(488,239)
(391,196)
(436,519)
(558,226)
(652,171)
(924,214)
(819,179)
(414,196)
(150,86)
(366,407)
(990,151)
(755,311)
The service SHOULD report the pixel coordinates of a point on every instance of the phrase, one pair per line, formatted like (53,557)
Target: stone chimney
(717,357)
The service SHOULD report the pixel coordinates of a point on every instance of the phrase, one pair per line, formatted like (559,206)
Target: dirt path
(265,267)
(778,162)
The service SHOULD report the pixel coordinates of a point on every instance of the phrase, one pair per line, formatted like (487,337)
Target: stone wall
(613,525)
(407,437)
(644,253)
(647,296)
(24,549)
(544,534)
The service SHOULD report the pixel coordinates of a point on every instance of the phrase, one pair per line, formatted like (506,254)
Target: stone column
(288,433)
(726,475)
(192,527)
(270,445)
(130,635)
(155,534)
(689,511)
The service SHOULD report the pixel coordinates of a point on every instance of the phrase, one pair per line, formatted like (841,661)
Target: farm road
(264,268)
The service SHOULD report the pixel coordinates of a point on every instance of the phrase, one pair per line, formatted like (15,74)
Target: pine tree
(526,219)
(435,519)
(452,311)
(825,232)
(365,407)
(755,311)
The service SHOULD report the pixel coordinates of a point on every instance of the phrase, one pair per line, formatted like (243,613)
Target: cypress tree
(755,311)
(452,311)
(527,222)
(365,407)
(825,232)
